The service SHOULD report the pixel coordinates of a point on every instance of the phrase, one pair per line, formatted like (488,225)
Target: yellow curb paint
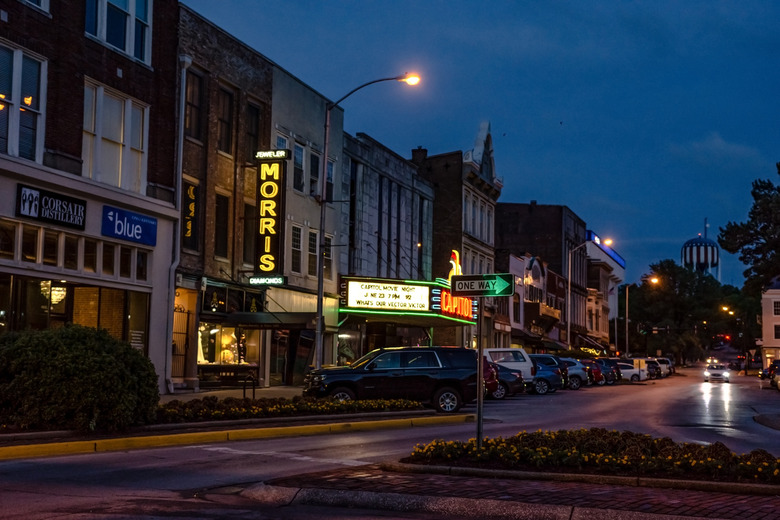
(154,441)
(46,450)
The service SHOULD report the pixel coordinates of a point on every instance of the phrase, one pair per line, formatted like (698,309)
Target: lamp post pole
(411,79)
(627,286)
(568,294)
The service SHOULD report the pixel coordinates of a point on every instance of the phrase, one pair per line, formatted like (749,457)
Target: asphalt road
(203,480)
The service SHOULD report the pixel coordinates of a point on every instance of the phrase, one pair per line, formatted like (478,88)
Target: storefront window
(90,255)
(7,240)
(227,345)
(125,262)
(71,252)
(50,243)
(108,259)
(30,244)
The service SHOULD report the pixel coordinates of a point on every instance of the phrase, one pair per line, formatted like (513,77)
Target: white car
(632,373)
(716,372)
(514,358)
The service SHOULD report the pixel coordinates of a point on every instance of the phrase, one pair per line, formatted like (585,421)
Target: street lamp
(568,295)
(409,79)
(653,280)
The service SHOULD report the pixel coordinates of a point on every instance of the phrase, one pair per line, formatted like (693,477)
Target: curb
(180,439)
(690,485)
(276,496)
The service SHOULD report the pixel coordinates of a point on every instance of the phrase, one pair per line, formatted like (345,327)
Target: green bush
(75,378)
(211,408)
(601,451)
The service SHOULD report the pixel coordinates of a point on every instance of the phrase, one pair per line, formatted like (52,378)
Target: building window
(30,244)
(108,259)
(777,331)
(115,136)
(221,221)
(21,114)
(327,258)
(297,251)
(125,262)
(70,258)
(141,265)
(777,308)
(90,255)
(298,181)
(281,142)
(250,233)
(193,110)
(253,117)
(123,24)
(43,5)
(225,122)
(466,210)
(314,175)
(7,240)
(329,183)
(51,240)
(313,253)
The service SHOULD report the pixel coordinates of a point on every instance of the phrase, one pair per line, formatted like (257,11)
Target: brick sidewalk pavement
(650,501)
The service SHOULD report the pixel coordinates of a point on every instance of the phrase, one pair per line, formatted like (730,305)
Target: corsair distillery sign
(50,207)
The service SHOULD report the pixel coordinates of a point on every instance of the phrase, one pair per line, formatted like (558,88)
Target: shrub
(75,378)
(601,451)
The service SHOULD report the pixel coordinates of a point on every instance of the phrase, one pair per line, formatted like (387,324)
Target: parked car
(444,377)
(667,368)
(577,372)
(553,361)
(716,372)
(489,376)
(595,375)
(654,370)
(547,379)
(772,373)
(515,358)
(631,373)
(510,382)
(610,369)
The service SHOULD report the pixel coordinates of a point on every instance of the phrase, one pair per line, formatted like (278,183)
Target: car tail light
(556,371)
(533,371)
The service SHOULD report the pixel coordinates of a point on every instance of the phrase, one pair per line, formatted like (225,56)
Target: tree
(758,240)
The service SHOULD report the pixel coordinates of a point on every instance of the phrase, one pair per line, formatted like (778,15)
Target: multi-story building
(556,234)
(606,271)
(87,168)
(466,190)
(390,230)
(770,322)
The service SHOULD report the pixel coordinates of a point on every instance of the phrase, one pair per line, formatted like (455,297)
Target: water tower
(702,254)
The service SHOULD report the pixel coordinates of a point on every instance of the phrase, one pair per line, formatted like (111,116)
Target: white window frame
(14,104)
(776,307)
(43,5)
(296,247)
(130,23)
(94,137)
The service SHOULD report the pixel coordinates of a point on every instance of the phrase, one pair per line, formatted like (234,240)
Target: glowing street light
(409,79)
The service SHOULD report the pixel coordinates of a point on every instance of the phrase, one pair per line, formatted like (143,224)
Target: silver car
(716,372)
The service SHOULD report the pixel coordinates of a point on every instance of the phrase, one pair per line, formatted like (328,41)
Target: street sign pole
(480,375)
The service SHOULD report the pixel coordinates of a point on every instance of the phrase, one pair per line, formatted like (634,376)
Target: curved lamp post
(409,79)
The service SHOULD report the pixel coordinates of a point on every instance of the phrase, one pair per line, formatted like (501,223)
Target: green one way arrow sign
(496,284)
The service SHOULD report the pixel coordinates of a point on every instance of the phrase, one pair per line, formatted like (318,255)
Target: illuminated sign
(366,294)
(456,305)
(47,206)
(270,211)
(190,216)
(267,280)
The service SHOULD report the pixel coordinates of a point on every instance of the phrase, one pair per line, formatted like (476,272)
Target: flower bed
(601,451)
(213,409)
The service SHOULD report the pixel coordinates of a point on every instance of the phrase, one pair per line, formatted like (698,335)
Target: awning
(424,320)
(593,343)
(272,320)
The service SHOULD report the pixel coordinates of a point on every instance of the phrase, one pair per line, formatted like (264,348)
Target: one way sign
(496,284)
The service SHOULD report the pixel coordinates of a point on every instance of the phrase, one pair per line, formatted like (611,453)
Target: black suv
(445,377)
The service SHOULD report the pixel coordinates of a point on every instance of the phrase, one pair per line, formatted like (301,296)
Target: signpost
(480,285)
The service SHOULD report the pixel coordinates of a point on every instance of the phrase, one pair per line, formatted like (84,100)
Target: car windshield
(717,367)
(365,359)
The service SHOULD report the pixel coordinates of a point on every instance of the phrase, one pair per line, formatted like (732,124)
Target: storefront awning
(272,320)
(424,320)
(591,343)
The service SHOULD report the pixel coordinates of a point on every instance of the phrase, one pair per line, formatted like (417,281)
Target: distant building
(770,320)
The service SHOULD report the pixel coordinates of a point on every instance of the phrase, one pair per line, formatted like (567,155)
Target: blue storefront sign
(118,223)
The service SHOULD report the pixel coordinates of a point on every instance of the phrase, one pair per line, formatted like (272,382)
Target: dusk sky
(644,118)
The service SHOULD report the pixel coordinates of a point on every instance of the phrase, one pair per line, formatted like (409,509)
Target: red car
(595,375)
(490,373)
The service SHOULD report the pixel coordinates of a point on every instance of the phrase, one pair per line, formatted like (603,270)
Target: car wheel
(634,378)
(500,392)
(610,381)
(447,400)
(541,386)
(342,394)
(575,383)
(602,382)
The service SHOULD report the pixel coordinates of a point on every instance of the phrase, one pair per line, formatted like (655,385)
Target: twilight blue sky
(644,117)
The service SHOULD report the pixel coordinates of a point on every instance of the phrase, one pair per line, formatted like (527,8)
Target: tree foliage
(758,239)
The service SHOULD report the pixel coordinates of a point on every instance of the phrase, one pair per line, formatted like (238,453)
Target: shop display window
(227,345)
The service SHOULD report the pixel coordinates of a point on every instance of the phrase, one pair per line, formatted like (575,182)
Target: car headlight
(706,372)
